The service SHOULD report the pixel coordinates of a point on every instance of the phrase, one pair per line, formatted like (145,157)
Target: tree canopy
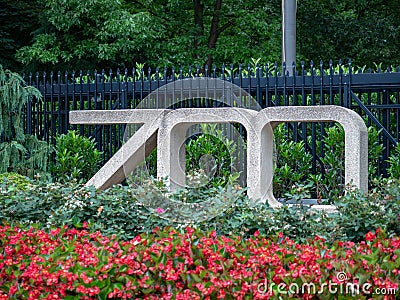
(367,31)
(74,34)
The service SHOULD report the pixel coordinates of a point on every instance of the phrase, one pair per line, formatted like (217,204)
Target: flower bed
(73,264)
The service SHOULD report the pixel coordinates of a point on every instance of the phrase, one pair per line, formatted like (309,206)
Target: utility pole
(289,8)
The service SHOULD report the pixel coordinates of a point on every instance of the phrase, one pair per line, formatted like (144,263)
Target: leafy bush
(213,153)
(210,161)
(76,157)
(394,161)
(293,163)
(359,213)
(18,181)
(127,212)
(332,183)
(190,264)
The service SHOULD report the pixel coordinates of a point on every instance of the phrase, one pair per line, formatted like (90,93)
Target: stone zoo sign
(166,129)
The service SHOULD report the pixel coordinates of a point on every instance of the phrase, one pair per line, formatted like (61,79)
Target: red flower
(13,290)
(370,236)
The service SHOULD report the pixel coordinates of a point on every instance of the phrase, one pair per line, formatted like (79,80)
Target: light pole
(289,8)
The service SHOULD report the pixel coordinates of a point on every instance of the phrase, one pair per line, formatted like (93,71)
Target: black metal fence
(374,95)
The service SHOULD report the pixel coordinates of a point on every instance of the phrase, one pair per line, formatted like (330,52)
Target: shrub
(18,181)
(19,152)
(213,153)
(394,163)
(76,157)
(128,212)
(359,213)
(293,163)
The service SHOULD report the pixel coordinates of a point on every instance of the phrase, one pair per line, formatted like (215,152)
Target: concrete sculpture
(166,129)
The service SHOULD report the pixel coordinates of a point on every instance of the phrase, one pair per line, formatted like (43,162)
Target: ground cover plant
(191,264)
(120,210)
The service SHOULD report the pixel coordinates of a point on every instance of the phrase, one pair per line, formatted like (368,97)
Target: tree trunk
(199,25)
(214,31)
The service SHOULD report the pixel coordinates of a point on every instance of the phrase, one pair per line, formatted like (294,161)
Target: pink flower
(159,210)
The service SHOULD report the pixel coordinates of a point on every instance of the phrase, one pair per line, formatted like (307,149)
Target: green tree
(19,152)
(82,33)
(109,33)
(72,34)
(18,19)
(367,31)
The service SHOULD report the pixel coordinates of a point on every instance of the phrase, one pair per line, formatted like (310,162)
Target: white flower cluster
(73,203)
(197,178)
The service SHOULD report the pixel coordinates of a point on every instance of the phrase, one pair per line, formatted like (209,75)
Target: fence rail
(374,95)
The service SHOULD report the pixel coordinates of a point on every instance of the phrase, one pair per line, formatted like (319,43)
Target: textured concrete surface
(133,151)
(166,129)
(356,142)
(172,135)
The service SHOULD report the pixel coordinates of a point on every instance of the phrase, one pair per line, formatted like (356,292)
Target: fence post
(29,110)
(345,92)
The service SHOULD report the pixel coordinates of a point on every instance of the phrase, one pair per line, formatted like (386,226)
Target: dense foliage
(231,262)
(192,264)
(76,157)
(102,34)
(126,211)
(110,33)
(19,152)
(294,163)
(19,20)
